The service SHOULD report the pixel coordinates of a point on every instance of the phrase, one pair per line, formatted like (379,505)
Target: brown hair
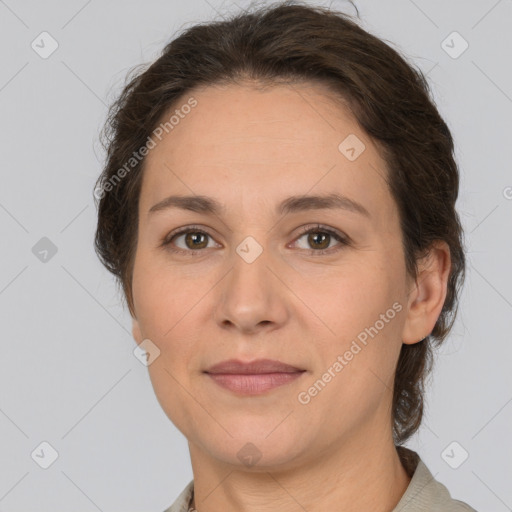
(389,97)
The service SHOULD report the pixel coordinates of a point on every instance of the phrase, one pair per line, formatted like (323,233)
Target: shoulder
(424,492)
(183,500)
(460,506)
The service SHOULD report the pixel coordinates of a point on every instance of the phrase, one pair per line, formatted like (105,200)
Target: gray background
(68,375)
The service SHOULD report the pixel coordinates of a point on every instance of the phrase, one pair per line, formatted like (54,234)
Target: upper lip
(234,366)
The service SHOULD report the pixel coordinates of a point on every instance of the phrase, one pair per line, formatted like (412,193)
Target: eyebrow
(208,205)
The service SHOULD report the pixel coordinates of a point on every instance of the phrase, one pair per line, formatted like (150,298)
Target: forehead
(246,141)
(302,117)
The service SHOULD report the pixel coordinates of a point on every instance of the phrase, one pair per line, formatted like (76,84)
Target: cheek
(348,299)
(356,368)
(363,311)
(168,306)
(160,299)
(164,310)
(169,385)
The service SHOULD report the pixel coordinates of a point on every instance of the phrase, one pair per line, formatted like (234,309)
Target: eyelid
(324,229)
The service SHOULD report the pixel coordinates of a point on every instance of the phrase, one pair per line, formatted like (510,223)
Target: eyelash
(344,240)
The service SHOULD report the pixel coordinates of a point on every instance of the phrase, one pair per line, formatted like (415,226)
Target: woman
(278,204)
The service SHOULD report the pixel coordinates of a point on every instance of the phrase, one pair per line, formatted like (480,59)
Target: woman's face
(256,286)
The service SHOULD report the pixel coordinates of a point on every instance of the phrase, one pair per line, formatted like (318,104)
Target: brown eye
(193,240)
(319,238)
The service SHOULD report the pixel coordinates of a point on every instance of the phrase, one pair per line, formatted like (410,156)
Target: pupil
(194,237)
(316,235)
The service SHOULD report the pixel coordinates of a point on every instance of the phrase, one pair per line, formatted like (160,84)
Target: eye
(319,238)
(195,240)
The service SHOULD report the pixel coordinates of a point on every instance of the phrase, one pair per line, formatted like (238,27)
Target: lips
(253,378)
(259,366)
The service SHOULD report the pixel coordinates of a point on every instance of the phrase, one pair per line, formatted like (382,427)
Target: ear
(137,334)
(427,294)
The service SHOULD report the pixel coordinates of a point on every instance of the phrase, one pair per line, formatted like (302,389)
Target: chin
(253,447)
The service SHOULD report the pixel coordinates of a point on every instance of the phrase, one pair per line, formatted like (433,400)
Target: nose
(252,297)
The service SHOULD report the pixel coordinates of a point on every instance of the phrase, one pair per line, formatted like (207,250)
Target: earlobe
(428,293)
(136,332)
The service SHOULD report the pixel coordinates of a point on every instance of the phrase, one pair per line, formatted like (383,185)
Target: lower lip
(253,384)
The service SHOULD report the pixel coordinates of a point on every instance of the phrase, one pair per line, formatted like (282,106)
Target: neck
(359,474)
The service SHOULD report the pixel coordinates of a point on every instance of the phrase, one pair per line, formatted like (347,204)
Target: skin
(250,149)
